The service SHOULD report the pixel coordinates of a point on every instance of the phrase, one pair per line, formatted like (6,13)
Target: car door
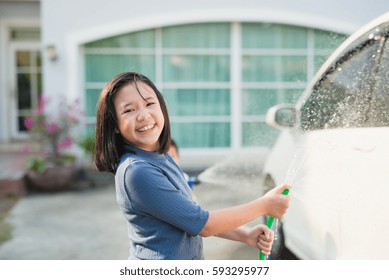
(343,139)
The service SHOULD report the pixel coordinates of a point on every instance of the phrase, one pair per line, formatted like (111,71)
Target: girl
(132,140)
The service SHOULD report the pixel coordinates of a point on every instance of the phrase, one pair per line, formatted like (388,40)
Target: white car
(333,150)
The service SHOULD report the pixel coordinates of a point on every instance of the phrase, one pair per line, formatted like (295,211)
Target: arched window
(218,79)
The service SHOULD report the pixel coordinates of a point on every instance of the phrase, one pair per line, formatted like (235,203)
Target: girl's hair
(109,143)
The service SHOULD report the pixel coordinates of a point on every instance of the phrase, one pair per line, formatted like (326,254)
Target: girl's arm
(273,203)
(259,237)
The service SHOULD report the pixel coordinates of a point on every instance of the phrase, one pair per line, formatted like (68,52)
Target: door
(26,84)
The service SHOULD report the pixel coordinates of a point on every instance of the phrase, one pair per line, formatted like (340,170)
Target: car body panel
(341,212)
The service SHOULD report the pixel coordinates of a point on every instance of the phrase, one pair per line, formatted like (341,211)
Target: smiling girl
(132,140)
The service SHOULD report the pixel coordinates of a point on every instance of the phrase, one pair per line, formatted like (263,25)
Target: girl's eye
(150,103)
(129,110)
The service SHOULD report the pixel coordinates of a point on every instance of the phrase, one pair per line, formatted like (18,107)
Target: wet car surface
(333,150)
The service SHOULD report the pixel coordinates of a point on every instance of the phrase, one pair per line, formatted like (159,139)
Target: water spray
(269,224)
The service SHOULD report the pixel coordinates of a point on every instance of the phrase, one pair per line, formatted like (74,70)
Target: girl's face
(140,121)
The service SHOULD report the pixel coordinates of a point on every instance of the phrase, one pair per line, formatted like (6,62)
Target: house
(219,63)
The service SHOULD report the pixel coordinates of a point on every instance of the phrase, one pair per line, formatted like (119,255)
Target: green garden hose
(269,224)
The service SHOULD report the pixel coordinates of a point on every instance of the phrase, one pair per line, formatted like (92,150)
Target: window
(194,66)
(379,108)
(25,34)
(274,70)
(196,83)
(345,96)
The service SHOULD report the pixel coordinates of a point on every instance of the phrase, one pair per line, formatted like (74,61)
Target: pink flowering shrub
(50,133)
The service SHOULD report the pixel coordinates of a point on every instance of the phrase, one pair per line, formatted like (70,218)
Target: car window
(379,110)
(343,97)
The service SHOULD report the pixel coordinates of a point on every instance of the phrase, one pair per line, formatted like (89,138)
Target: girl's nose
(143,115)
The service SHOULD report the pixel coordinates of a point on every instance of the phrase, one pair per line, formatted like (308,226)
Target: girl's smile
(146,128)
(139,115)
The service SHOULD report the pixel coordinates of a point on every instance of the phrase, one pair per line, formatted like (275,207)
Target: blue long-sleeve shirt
(163,220)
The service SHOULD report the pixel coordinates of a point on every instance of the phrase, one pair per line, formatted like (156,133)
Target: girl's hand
(276,202)
(261,237)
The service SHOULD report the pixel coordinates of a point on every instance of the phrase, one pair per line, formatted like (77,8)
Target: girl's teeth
(146,128)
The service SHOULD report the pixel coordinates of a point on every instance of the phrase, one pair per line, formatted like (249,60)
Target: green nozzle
(269,224)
